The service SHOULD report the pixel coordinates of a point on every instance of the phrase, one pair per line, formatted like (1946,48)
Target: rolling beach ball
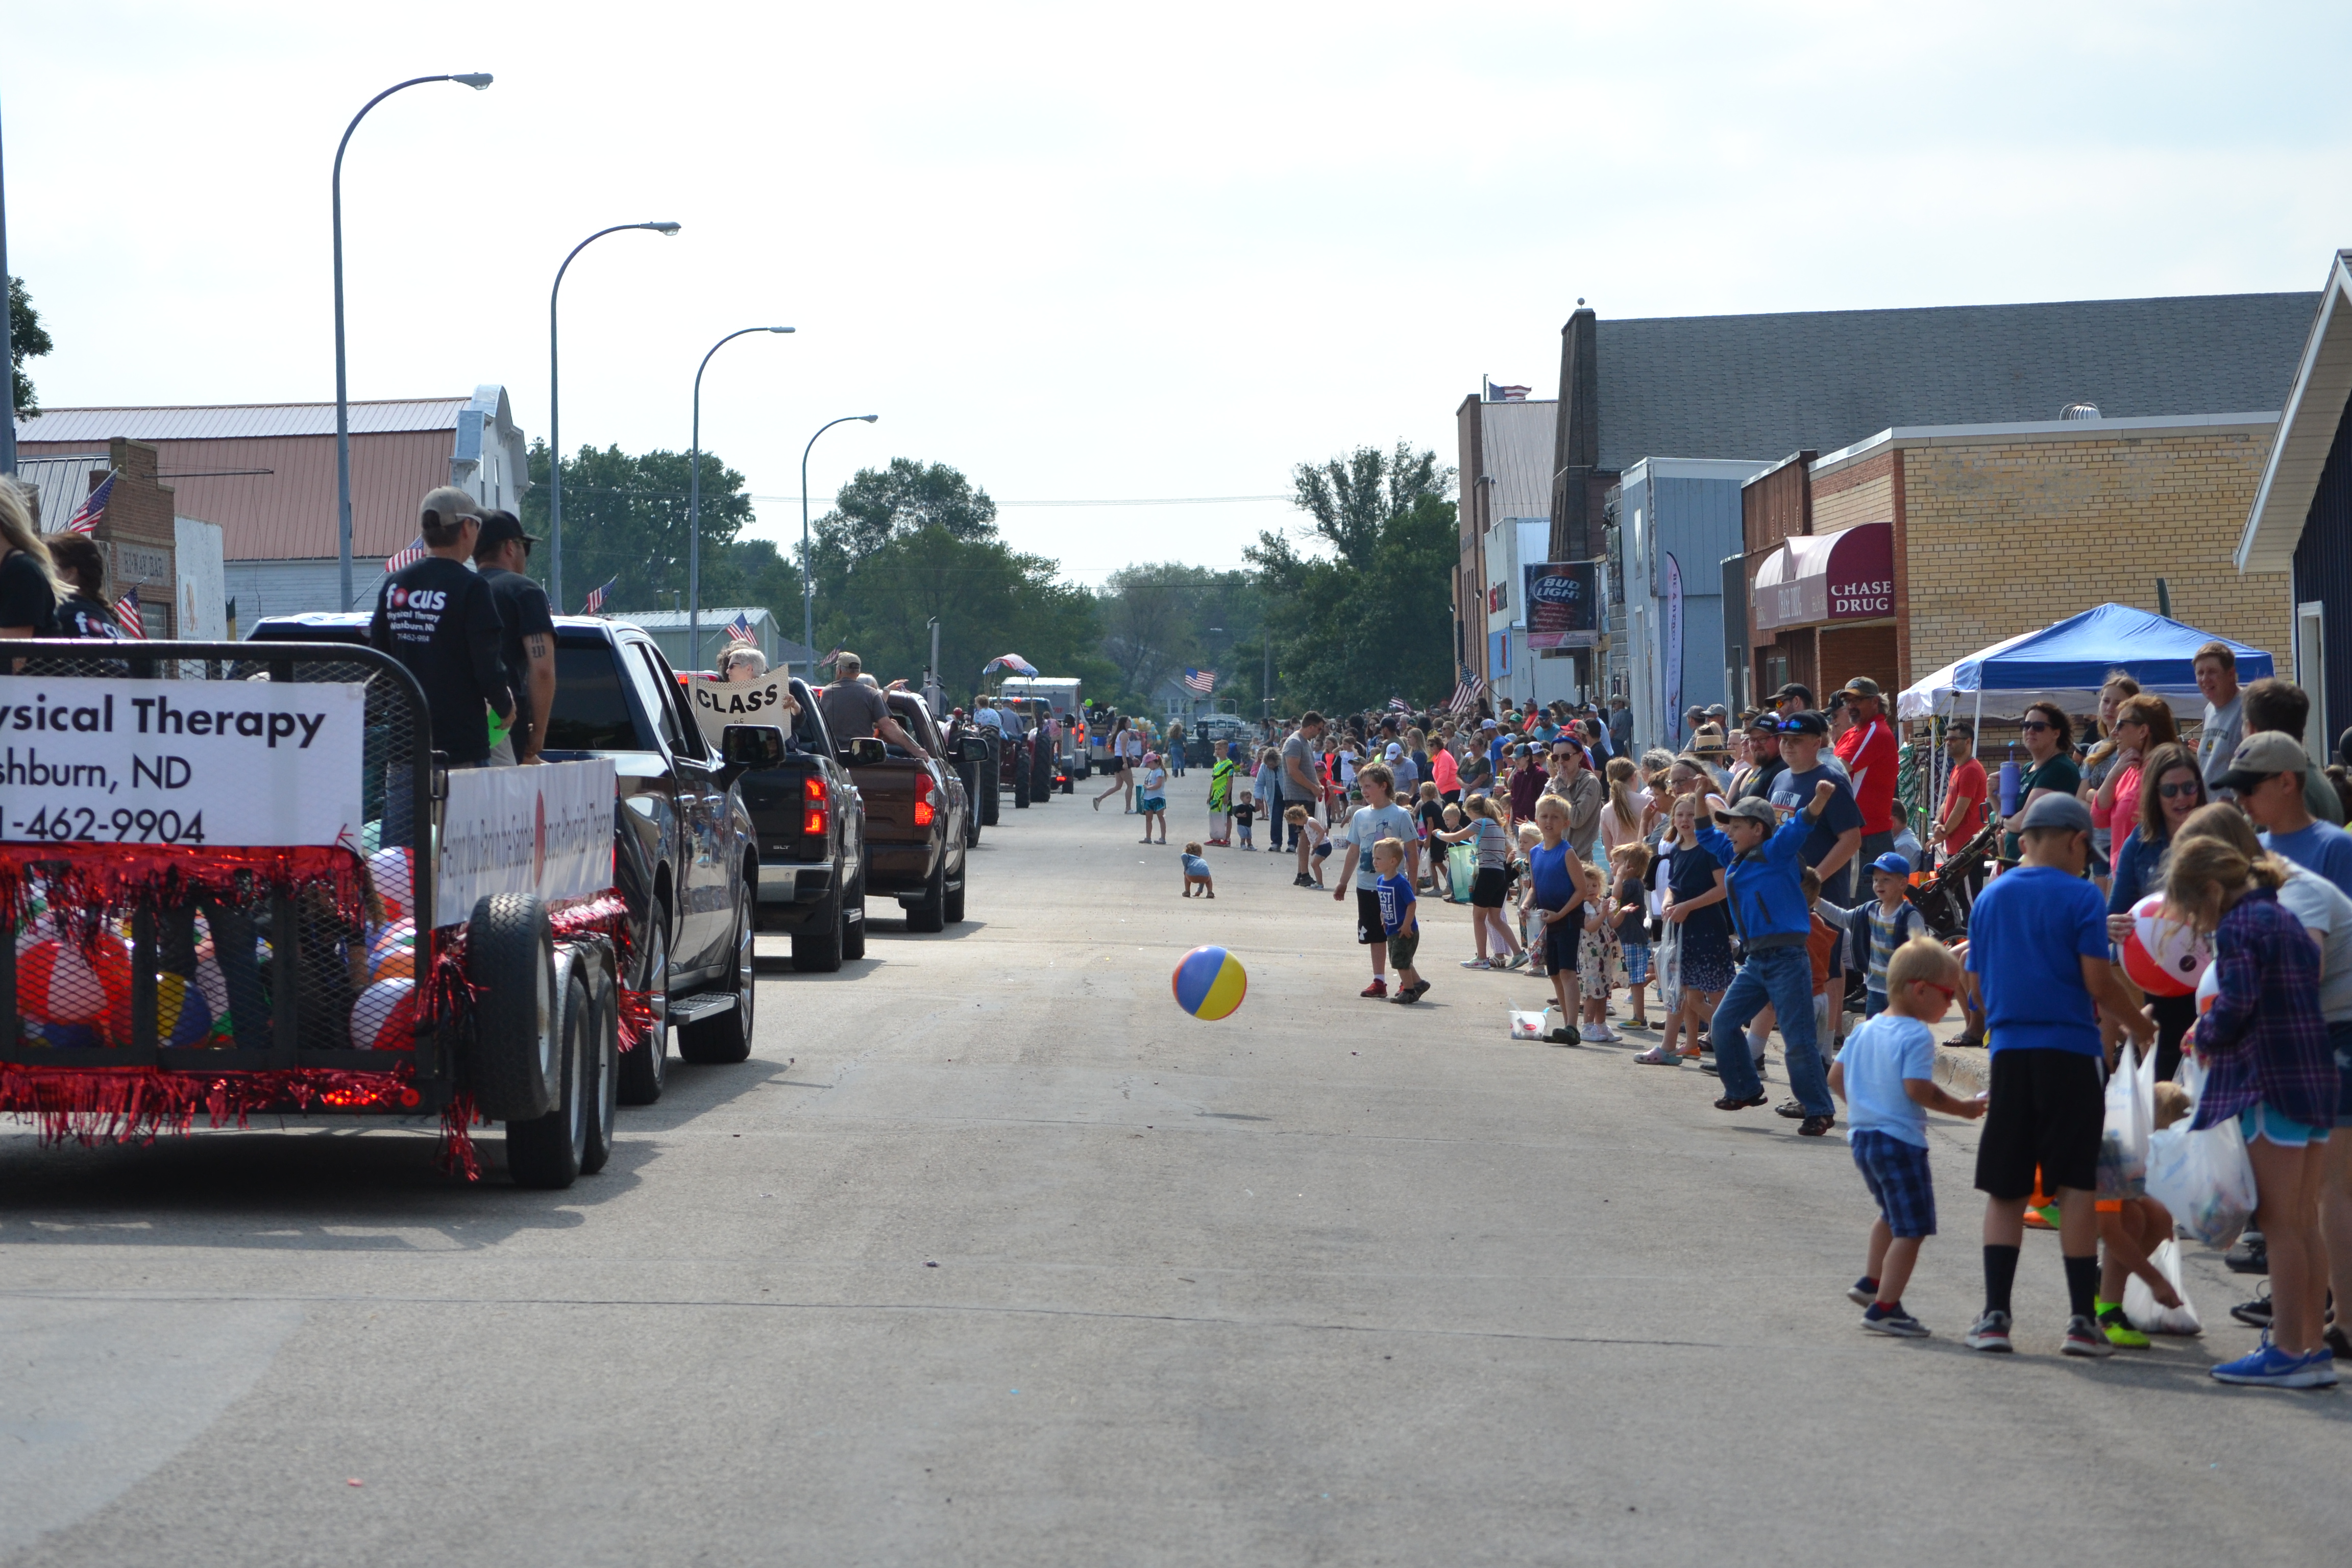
(385,1017)
(1210,982)
(2163,957)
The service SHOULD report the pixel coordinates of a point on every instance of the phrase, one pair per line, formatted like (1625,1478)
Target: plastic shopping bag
(2139,1301)
(2205,1178)
(2130,1117)
(1460,871)
(1529,1026)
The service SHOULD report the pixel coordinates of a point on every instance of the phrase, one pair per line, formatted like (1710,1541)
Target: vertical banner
(1674,648)
(1563,603)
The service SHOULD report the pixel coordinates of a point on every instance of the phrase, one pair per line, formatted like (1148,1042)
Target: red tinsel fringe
(450,994)
(120,1105)
(86,885)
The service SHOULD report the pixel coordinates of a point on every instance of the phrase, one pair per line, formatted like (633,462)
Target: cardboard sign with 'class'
(242,763)
(719,703)
(545,828)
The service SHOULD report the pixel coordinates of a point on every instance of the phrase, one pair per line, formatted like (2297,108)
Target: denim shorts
(2339,1039)
(2263,1119)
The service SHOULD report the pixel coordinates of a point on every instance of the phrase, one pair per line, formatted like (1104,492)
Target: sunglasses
(1947,991)
(2030,724)
(2174,791)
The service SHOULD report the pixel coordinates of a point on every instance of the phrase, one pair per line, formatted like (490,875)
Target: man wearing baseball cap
(436,617)
(1836,837)
(527,636)
(2267,770)
(1871,758)
(1793,700)
(1765,762)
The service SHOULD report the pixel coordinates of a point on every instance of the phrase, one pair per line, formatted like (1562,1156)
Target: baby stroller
(1942,897)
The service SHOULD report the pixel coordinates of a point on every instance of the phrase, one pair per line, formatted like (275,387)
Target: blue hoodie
(1767,895)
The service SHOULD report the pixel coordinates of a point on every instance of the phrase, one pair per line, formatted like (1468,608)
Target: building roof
(2260,422)
(1518,437)
(241,421)
(1764,385)
(2315,409)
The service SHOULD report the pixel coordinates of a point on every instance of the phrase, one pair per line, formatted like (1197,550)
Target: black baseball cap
(1794,688)
(498,527)
(1805,723)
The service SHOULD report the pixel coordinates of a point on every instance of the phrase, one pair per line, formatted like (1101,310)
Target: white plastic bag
(2205,1178)
(1529,1026)
(2139,1302)
(2131,1116)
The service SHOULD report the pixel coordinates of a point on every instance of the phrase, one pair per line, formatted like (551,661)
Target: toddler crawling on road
(1196,873)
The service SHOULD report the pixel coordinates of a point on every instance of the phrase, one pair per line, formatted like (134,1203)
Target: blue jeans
(1784,977)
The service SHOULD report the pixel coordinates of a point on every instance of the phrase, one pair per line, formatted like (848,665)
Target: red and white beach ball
(2208,988)
(393,874)
(61,982)
(2164,957)
(385,1017)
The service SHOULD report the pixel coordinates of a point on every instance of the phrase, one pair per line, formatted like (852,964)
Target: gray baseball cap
(2064,812)
(1754,810)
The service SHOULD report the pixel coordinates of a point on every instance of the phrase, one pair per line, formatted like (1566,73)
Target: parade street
(992,1255)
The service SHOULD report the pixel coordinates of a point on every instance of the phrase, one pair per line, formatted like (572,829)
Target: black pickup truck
(915,814)
(811,824)
(684,856)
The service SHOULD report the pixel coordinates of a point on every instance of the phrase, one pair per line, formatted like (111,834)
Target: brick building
(173,562)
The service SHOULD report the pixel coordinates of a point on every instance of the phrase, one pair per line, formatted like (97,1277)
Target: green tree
(625,517)
(27,338)
(1163,616)
(1352,499)
(881,504)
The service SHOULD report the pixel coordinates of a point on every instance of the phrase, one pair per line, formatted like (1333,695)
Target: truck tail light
(815,808)
(925,812)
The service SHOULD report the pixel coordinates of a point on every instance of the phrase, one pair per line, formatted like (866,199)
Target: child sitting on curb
(1888,1078)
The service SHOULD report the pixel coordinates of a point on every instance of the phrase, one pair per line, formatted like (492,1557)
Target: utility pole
(7,332)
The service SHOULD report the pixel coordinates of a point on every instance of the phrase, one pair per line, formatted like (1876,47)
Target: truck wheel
(853,919)
(1070,783)
(990,802)
(644,1069)
(725,1037)
(1020,786)
(510,960)
(817,949)
(931,914)
(951,906)
(603,1063)
(549,1151)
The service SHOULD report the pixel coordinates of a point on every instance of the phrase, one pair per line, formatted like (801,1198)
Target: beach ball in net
(1210,982)
(385,1017)
(61,982)
(2163,957)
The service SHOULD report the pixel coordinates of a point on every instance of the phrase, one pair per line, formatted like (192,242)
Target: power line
(1124,501)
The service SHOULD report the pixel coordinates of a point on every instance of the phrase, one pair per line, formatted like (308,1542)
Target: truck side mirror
(868,750)
(751,746)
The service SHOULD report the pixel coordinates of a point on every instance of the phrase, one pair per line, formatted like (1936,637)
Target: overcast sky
(1093,252)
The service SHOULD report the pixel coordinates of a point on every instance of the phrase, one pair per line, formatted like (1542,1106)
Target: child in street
(1489,886)
(1318,841)
(1631,863)
(1379,818)
(1893,922)
(2038,946)
(1888,1078)
(2130,1230)
(1153,789)
(1429,815)
(1557,886)
(1221,799)
(1523,896)
(1196,873)
(1400,919)
(1244,793)
(1596,952)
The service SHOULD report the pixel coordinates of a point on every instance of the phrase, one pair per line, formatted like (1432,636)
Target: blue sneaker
(2270,1367)
(2319,1369)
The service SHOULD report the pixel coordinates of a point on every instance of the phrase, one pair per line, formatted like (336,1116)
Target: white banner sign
(544,828)
(236,763)
(719,703)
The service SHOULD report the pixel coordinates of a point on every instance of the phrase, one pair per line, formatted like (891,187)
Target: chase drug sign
(1818,579)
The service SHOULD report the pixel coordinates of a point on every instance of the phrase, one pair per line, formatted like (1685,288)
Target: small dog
(1196,873)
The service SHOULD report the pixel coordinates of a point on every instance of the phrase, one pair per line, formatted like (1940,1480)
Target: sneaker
(1594,1035)
(2270,1367)
(1302,881)
(1863,1291)
(2320,1368)
(1517,961)
(1729,1102)
(1706,1065)
(1377,988)
(2250,1256)
(1990,1333)
(1792,1110)
(1815,1126)
(2118,1329)
(2083,1339)
(1562,1037)
(2256,1313)
(1895,1320)
(1476,963)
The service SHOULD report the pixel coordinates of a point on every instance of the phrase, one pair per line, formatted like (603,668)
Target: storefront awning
(1822,578)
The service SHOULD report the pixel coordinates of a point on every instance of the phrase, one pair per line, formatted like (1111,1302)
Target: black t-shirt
(26,597)
(522,612)
(80,617)
(1433,815)
(439,618)
(1759,785)
(1635,927)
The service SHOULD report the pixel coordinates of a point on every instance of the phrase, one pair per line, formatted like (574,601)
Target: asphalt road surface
(993,1256)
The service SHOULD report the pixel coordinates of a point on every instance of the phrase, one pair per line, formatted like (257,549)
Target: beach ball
(60,983)
(392,952)
(394,881)
(385,1017)
(2207,989)
(2164,957)
(1210,982)
(184,1016)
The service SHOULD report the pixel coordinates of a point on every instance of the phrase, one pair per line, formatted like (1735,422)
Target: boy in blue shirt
(1886,1076)
(1765,877)
(1399,922)
(2038,947)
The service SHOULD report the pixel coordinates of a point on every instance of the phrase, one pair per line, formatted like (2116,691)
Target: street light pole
(808,561)
(8,335)
(478,81)
(694,506)
(554,425)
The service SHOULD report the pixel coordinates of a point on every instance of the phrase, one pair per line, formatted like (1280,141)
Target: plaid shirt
(2264,1039)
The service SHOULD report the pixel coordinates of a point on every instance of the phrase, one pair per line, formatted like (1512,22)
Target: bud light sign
(1563,603)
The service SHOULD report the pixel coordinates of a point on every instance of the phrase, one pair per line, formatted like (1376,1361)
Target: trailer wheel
(550,1151)
(853,919)
(510,960)
(644,1069)
(725,1037)
(605,1063)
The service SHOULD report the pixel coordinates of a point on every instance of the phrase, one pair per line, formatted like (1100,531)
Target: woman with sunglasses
(2172,788)
(2049,737)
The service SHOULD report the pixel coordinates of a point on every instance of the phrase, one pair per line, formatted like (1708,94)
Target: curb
(1965,1072)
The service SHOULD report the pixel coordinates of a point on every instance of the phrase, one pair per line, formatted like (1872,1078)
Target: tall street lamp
(694,506)
(808,562)
(554,423)
(478,81)
(7,337)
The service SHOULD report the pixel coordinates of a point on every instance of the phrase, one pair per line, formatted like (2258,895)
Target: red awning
(1848,575)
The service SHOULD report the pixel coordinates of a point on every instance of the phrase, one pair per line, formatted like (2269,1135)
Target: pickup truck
(915,811)
(811,824)
(685,856)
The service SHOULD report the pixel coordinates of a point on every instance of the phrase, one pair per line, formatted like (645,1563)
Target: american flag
(408,557)
(1203,681)
(1398,705)
(126,610)
(596,597)
(1465,695)
(86,520)
(740,628)
(836,653)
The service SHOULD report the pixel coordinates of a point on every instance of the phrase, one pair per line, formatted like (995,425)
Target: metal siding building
(1687,508)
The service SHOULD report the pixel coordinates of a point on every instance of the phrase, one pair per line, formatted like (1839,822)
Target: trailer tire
(644,1069)
(510,961)
(551,1151)
(604,1060)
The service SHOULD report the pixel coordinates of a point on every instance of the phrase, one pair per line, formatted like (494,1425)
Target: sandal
(1659,1056)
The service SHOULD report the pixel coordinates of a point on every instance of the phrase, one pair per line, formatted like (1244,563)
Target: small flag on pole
(740,629)
(836,653)
(85,520)
(1465,695)
(126,611)
(1398,705)
(1203,681)
(596,597)
(408,557)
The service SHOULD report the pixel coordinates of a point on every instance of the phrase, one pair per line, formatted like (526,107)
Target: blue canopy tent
(2067,663)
